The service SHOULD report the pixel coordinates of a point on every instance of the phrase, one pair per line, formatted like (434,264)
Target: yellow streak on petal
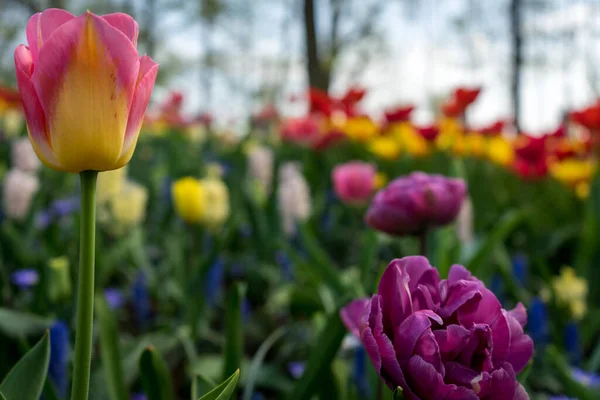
(87,126)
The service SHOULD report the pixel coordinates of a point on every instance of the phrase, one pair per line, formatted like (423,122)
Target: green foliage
(26,379)
(225,390)
(155,376)
(111,354)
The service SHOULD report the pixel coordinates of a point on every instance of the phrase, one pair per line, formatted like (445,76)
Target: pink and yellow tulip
(84,89)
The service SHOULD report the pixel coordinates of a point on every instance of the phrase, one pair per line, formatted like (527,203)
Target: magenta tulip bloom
(441,339)
(354,181)
(84,89)
(416,202)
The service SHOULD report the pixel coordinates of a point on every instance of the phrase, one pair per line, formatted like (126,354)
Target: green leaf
(234,334)
(327,345)
(506,225)
(594,361)
(588,251)
(270,377)
(109,346)
(2,396)
(201,384)
(322,264)
(16,324)
(368,260)
(571,386)
(258,360)
(155,376)
(26,379)
(225,390)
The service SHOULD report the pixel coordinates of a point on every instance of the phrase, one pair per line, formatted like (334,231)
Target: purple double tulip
(411,204)
(441,339)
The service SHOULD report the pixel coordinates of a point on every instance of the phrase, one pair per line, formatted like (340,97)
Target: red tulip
(531,161)
(452,109)
(466,96)
(494,129)
(320,102)
(588,117)
(429,132)
(300,130)
(399,114)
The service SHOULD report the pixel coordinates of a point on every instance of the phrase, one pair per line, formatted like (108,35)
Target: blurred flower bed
(286,225)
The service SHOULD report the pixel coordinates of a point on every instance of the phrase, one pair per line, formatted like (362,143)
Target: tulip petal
(459,374)
(461,393)
(459,294)
(521,346)
(452,341)
(390,368)
(125,23)
(36,123)
(141,98)
(520,393)
(396,303)
(352,315)
(420,272)
(489,311)
(85,78)
(519,313)
(425,381)
(457,273)
(410,330)
(42,25)
(368,340)
(499,385)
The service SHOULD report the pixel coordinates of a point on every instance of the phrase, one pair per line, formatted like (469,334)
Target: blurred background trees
(535,58)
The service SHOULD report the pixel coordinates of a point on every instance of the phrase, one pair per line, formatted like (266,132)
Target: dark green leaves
(326,347)
(109,346)
(234,336)
(156,379)
(17,324)
(225,390)
(25,381)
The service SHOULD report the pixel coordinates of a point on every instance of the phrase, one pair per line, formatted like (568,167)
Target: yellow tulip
(129,206)
(110,184)
(360,128)
(196,133)
(381,180)
(476,144)
(571,291)
(500,151)
(384,147)
(189,199)
(216,201)
(13,122)
(572,172)
(582,190)
(410,140)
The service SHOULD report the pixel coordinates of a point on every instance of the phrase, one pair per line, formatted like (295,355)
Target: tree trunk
(318,76)
(517,60)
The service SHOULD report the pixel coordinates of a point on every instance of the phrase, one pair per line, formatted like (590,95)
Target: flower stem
(85,291)
(423,243)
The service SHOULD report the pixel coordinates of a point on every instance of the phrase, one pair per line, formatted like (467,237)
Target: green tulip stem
(85,288)
(423,243)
